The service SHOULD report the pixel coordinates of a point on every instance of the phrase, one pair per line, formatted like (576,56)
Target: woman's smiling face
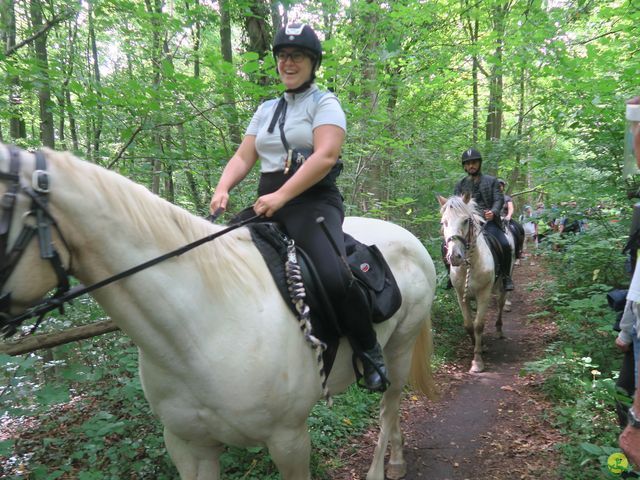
(294,66)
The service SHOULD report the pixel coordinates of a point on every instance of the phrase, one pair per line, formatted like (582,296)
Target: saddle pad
(496,251)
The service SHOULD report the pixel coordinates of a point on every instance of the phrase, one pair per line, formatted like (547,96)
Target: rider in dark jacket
(485,190)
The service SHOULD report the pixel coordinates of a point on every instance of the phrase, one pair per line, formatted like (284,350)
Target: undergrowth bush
(580,368)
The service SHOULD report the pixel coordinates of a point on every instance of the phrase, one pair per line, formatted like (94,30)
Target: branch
(48,340)
(124,147)
(49,24)
(592,39)
(535,189)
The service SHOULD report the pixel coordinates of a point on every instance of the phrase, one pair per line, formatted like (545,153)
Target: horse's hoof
(476,367)
(396,471)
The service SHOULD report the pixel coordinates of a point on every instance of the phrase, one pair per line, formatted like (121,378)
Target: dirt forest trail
(487,426)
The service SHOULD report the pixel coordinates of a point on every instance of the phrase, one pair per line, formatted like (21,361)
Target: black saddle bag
(369,267)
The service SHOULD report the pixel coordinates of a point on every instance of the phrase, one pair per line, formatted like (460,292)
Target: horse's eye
(443,223)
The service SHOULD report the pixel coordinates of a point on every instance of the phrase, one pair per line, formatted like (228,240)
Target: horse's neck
(481,257)
(106,240)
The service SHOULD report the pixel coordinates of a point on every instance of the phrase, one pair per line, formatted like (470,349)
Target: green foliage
(167,111)
(580,368)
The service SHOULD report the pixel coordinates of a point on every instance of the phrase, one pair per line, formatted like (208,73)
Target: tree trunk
(257,27)
(99,119)
(493,130)
(47,136)
(376,173)
(17,126)
(155,9)
(229,92)
(72,37)
(472,26)
(191,181)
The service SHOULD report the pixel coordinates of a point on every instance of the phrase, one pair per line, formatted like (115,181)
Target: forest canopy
(161,91)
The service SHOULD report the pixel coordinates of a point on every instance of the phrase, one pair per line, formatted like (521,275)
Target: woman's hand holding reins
(267,205)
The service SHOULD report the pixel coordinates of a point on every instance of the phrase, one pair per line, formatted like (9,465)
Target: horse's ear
(466,197)
(441,200)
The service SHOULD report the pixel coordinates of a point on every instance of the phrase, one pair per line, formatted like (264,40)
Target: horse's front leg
(389,433)
(482,303)
(194,462)
(467,316)
(290,449)
(501,302)
(398,363)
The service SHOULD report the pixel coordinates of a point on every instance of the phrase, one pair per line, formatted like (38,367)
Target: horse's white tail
(421,375)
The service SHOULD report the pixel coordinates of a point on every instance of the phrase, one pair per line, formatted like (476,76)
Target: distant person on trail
(484,189)
(530,225)
(630,437)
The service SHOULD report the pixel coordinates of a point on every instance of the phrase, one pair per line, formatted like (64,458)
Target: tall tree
(472,25)
(257,27)
(47,136)
(17,126)
(493,126)
(97,82)
(227,56)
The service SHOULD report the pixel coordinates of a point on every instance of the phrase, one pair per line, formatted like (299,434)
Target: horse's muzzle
(456,259)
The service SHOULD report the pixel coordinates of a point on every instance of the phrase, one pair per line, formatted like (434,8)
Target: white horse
(221,357)
(473,273)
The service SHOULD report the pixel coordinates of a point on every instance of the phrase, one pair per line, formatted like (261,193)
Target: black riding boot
(375,371)
(355,313)
(508,283)
(506,271)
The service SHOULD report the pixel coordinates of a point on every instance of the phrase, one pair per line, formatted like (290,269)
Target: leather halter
(37,221)
(466,241)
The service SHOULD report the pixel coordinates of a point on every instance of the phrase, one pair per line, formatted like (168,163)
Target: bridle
(466,241)
(43,224)
(41,227)
(468,244)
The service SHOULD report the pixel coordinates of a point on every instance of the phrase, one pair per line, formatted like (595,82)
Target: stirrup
(376,370)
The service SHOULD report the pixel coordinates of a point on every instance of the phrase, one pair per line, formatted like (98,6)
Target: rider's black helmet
(471,154)
(502,182)
(300,36)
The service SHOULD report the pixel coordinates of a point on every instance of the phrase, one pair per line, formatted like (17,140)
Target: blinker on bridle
(41,227)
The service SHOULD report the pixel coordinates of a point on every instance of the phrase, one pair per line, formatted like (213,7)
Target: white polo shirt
(305,112)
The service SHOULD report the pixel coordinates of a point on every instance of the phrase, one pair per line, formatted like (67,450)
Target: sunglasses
(296,57)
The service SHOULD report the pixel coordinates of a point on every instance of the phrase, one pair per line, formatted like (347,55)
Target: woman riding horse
(311,124)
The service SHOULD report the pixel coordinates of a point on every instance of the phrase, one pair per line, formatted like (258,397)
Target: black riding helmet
(300,36)
(471,154)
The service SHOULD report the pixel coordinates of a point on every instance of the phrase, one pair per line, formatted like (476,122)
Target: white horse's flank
(472,269)
(222,360)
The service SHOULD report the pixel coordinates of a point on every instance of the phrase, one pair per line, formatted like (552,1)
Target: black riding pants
(505,262)
(298,218)
(517,230)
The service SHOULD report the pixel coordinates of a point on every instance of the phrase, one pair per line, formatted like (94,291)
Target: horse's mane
(457,206)
(152,217)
